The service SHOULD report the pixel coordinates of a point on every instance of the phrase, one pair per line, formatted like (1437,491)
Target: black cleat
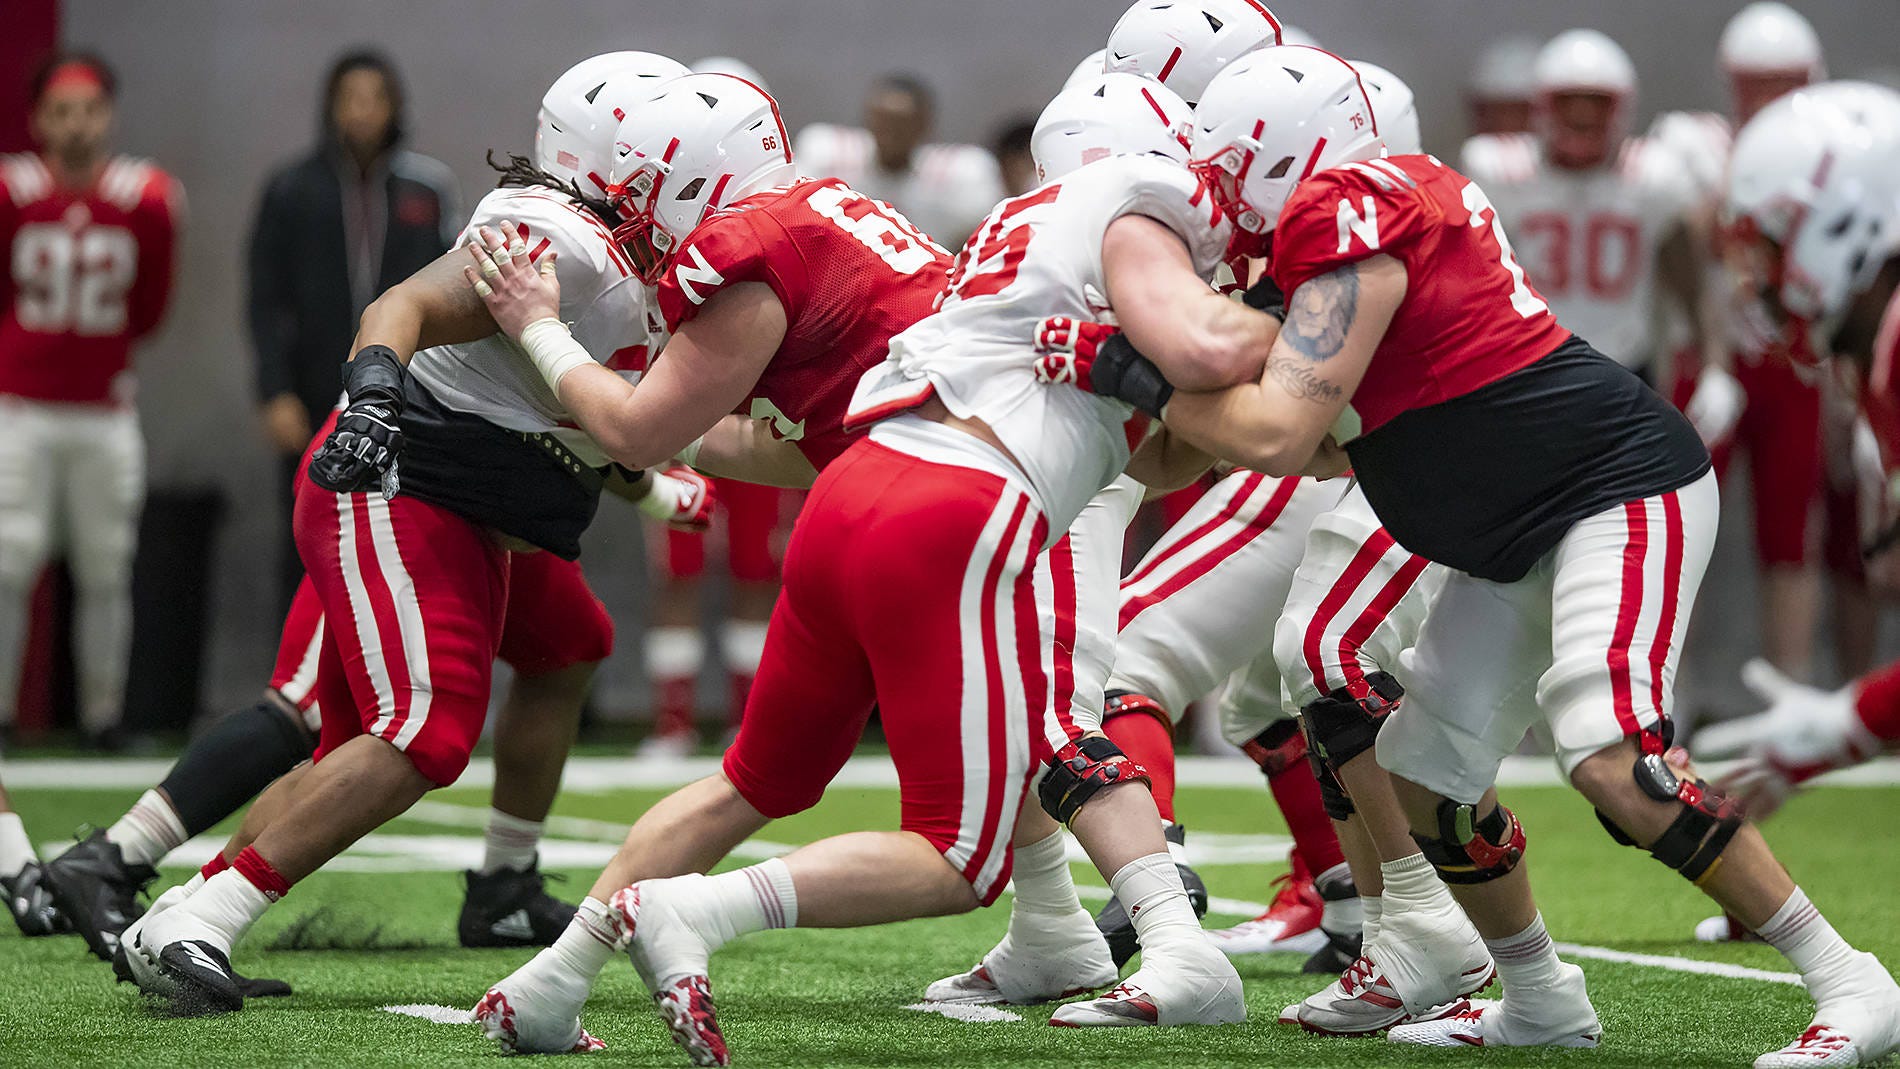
(251,988)
(31,903)
(97,891)
(1113,920)
(203,978)
(1342,948)
(511,908)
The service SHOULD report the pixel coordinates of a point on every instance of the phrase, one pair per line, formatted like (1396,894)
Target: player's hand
(1716,405)
(679,496)
(515,292)
(1804,732)
(286,423)
(360,454)
(1098,358)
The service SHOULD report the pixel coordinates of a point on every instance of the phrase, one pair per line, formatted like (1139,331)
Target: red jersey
(89,273)
(851,272)
(1469,317)
(1880,391)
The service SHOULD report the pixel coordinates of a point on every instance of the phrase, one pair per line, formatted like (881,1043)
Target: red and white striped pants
(1588,641)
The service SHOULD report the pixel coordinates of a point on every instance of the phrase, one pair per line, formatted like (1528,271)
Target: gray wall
(219,91)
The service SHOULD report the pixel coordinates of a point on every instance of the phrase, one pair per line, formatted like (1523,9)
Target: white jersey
(1588,239)
(1035,256)
(946,191)
(601,301)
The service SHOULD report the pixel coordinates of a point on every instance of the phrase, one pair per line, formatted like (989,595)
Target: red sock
(1149,742)
(679,701)
(1878,702)
(216,865)
(252,866)
(1297,793)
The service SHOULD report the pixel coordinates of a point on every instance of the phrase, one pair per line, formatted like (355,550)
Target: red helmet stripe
(1268,15)
(1149,97)
(1313,160)
(1168,67)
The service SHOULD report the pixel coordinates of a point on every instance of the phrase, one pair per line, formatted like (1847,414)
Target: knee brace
(1128,703)
(1472,849)
(1276,748)
(228,765)
(1345,723)
(1332,793)
(1694,841)
(1079,770)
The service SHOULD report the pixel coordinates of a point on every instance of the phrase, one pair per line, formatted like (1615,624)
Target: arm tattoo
(1322,313)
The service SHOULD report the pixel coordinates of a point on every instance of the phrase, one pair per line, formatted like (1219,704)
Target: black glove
(360,455)
(1121,372)
(1266,296)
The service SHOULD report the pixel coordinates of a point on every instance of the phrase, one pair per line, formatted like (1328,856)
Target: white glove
(1804,732)
(1716,406)
(680,496)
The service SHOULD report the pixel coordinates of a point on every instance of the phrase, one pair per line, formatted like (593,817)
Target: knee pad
(1079,770)
(1472,849)
(1332,793)
(228,765)
(1693,843)
(1345,723)
(1276,748)
(1128,703)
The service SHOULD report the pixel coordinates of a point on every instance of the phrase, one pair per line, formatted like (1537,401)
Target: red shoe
(1290,923)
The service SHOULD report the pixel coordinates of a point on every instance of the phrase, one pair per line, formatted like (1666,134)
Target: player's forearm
(744,449)
(1240,425)
(1165,462)
(432,307)
(1212,343)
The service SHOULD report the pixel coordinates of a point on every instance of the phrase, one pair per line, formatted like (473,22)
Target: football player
(89,239)
(23,879)
(1414,335)
(1184,45)
(419,555)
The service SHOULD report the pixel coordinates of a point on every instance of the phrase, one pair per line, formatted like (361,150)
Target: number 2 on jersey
(73,280)
(1523,298)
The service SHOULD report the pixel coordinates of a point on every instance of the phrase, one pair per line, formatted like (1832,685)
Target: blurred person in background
(1013,158)
(334,230)
(1498,96)
(946,189)
(90,239)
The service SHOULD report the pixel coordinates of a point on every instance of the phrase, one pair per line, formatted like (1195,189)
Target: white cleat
(143,965)
(1556,1016)
(537,1010)
(1069,958)
(1362,1002)
(671,959)
(1855,1023)
(1168,989)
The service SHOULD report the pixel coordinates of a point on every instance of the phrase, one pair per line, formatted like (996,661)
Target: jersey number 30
(73,281)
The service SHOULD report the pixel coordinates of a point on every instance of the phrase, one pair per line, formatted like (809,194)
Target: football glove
(1265,296)
(1716,405)
(360,454)
(1804,732)
(1098,358)
(679,496)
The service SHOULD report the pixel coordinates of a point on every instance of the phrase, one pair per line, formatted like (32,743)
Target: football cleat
(1559,1015)
(201,976)
(97,891)
(251,987)
(1164,992)
(1336,955)
(1428,955)
(1856,1022)
(1290,923)
(1723,928)
(1341,921)
(519,1014)
(671,959)
(31,902)
(1362,1002)
(511,908)
(1113,920)
(1067,957)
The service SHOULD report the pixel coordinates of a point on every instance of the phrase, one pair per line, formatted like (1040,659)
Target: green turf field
(811,998)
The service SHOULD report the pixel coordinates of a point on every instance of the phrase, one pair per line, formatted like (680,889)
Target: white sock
(742,646)
(1374,906)
(229,903)
(509,842)
(1177,851)
(1527,958)
(1150,889)
(1042,881)
(1810,944)
(674,652)
(1412,882)
(16,849)
(148,831)
(751,899)
(590,940)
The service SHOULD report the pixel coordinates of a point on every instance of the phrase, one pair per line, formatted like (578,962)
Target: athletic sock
(1412,882)
(1150,889)
(229,903)
(1296,791)
(509,842)
(148,831)
(732,904)
(1811,945)
(1149,742)
(1374,907)
(1341,916)
(590,939)
(1526,959)
(1042,881)
(674,657)
(260,873)
(216,865)
(16,850)
(741,647)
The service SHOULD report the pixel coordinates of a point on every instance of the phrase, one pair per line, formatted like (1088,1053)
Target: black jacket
(302,310)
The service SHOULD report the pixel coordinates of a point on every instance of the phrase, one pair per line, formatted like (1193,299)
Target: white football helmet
(1506,70)
(1396,107)
(574,135)
(701,143)
(1183,44)
(738,68)
(1090,67)
(1771,38)
(1109,115)
(1584,61)
(1814,200)
(1269,120)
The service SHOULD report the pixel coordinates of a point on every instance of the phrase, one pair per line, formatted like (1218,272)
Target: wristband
(553,349)
(374,375)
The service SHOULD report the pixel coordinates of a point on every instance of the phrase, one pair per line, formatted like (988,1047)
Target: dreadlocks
(521,171)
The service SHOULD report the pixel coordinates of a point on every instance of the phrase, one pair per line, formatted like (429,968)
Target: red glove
(680,496)
(1068,346)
